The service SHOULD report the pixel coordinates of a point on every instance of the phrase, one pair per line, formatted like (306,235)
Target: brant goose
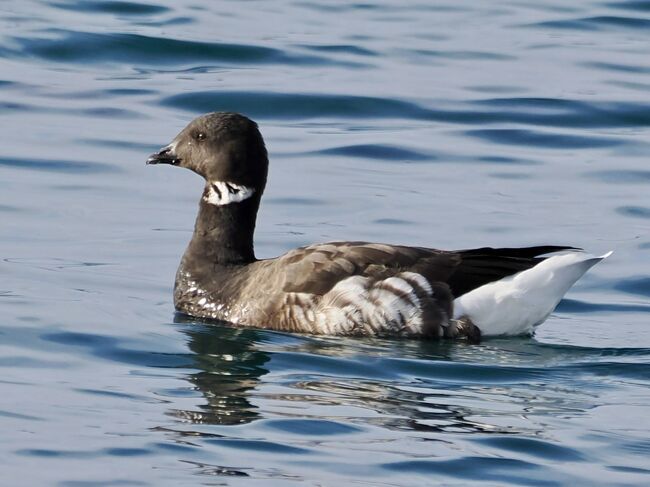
(344,288)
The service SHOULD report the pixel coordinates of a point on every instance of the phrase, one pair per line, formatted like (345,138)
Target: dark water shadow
(377,151)
(70,46)
(640,6)
(408,385)
(544,112)
(116,7)
(634,211)
(576,306)
(596,23)
(542,139)
(229,365)
(56,165)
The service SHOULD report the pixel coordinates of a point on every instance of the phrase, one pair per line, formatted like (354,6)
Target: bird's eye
(200,136)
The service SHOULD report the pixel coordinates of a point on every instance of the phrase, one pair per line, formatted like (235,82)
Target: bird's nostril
(165,155)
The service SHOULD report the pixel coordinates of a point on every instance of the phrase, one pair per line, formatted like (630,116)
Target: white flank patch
(223,193)
(391,305)
(515,305)
(418,280)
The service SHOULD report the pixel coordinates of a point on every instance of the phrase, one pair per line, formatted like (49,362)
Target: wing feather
(316,269)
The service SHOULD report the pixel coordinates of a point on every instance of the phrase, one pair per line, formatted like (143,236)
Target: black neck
(224,234)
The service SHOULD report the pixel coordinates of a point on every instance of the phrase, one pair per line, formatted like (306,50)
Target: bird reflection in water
(232,362)
(230,367)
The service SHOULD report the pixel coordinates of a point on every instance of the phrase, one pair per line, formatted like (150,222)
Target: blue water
(447,124)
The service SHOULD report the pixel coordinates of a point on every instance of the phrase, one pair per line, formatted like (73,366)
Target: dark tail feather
(523,252)
(487,264)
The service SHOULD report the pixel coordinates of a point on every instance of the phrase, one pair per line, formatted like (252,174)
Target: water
(453,124)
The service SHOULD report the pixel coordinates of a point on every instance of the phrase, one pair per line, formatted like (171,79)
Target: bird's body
(344,288)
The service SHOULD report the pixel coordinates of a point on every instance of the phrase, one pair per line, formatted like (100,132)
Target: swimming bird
(344,288)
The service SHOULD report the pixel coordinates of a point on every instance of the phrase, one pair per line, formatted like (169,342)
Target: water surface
(450,125)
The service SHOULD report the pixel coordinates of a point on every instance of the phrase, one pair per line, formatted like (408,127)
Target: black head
(220,146)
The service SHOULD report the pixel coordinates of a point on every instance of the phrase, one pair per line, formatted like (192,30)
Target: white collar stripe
(224,193)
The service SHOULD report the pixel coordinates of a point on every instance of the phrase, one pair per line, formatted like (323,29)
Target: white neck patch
(221,193)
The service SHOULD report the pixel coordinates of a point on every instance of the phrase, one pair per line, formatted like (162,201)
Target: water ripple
(340,48)
(543,139)
(624,68)
(634,211)
(597,23)
(534,447)
(310,427)
(623,176)
(461,55)
(113,7)
(577,306)
(292,105)
(377,151)
(517,472)
(54,165)
(570,113)
(110,348)
(640,5)
(88,47)
(258,445)
(529,111)
(462,91)
(639,286)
